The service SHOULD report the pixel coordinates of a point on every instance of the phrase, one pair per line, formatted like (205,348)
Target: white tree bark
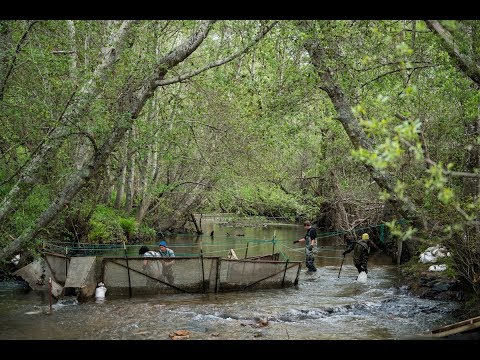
(130,179)
(75,109)
(132,105)
(73,54)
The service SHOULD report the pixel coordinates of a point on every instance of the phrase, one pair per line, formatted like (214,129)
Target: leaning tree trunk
(185,205)
(355,132)
(74,110)
(131,103)
(464,63)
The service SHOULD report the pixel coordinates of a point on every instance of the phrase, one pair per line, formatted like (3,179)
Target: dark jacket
(360,249)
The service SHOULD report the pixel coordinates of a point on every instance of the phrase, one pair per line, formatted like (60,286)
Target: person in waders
(309,239)
(152,268)
(167,271)
(361,249)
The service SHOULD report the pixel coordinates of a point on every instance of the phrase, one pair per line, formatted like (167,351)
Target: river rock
(180,335)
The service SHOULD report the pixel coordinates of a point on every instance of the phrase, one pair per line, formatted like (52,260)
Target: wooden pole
(285,273)
(273,243)
(203,270)
(66,262)
(50,293)
(217,275)
(341,267)
(128,270)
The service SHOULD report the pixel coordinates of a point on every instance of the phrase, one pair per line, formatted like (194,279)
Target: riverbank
(440,285)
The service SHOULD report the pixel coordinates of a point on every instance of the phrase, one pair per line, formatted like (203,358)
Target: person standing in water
(361,250)
(310,239)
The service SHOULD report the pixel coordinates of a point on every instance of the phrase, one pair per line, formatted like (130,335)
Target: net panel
(254,274)
(160,275)
(58,265)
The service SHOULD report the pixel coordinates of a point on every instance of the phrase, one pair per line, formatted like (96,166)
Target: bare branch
(89,137)
(63,52)
(218,62)
(433,163)
(397,70)
(3,81)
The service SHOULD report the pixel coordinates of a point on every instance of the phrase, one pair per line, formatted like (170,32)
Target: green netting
(197,267)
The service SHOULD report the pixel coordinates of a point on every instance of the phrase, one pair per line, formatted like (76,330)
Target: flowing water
(328,305)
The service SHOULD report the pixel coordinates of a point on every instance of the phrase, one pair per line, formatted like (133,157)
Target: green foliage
(28,212)
(146,231)
(400,231)
(129,226)
(107,225)
(258,135)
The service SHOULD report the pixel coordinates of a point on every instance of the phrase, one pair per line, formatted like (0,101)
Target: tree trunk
(81,144)
(399,251)
(340,216)
(74,110)
(198,228)
(108,188)
(5,50)
(132,103)
(120,187)
(73,54)
(130,179)
(121,175)
(351,125)
(463,62)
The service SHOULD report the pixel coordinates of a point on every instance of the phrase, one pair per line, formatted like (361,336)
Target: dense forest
(115,130)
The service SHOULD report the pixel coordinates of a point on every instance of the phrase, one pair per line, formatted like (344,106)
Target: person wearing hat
(361,249)
(164,251)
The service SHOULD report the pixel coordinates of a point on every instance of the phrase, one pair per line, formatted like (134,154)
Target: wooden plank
(36,274)
(459,327)
(79,270)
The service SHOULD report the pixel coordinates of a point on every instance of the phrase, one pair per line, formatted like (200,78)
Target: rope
(101,248)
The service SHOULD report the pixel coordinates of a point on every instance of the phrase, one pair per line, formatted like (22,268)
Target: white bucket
(100,291)
(362,277)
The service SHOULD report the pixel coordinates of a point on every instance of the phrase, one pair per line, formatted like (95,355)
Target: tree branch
(463,62)
(396,70)
(184,77)
(433,163)
(14,58)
